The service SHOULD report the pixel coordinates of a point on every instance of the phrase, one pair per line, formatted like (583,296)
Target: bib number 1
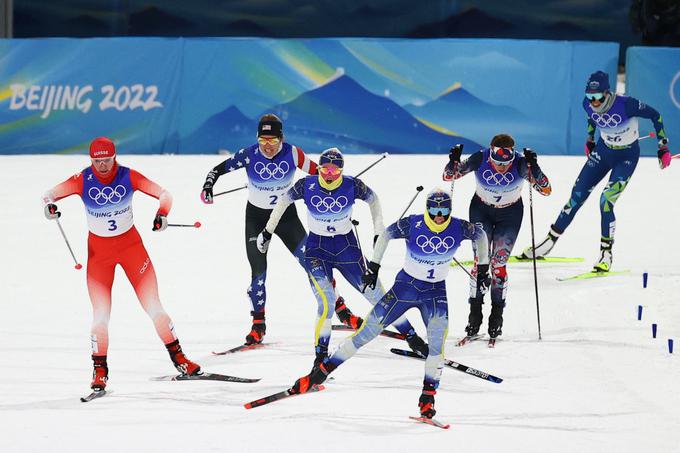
(430,273)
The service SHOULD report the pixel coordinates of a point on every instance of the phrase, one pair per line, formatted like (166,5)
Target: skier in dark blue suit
(617,151)
(432,240)
(331,243)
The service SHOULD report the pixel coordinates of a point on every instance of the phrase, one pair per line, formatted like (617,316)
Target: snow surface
(597,382)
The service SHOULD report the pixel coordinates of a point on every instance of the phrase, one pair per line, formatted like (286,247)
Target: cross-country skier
(106,189)
(431,242)
(270,165)
(616,152)
(497,205)
(331,244)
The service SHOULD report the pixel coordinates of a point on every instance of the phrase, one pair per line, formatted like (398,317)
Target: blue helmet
(438,203)
(598,82)
(332,156)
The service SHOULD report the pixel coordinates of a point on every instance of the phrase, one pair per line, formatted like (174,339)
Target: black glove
(531,157)
(51,211)
(454,154)
(263,241)
(664,154)
(590,145)
(370,277)
(483,278)
(160,222)
(207,193)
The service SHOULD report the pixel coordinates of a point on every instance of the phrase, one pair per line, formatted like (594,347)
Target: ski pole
(418,190)
(189,225)
(244,186)
(650,135)
(533,242)
(454,165)
(356,233)
(78,265)
(384,155)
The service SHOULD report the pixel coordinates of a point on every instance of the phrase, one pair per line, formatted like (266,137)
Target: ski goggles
(436,210)
(268,141)
(594,96)
(329,170)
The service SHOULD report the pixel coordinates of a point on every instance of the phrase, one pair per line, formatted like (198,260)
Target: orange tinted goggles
(270,141)
(330,170)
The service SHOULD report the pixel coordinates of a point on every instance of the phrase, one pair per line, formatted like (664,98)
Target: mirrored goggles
(594,96)
(270,141)
(435,211)
(329,170)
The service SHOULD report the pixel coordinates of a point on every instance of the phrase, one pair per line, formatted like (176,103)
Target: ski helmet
(332,156)
(438,203)
(501,156)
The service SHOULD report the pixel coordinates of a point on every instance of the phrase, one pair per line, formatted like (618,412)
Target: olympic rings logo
(326,204)
(271,170)
(606,120)
(107,194)
(435,244)
(498,179)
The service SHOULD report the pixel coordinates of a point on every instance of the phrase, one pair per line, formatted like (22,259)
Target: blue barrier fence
(157,95)
(653,77)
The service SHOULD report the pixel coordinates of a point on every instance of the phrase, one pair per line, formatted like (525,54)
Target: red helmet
(102,147)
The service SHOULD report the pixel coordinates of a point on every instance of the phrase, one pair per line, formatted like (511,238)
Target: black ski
(243,347)
(451,364)
(93,396)
(279,396)
(468,339)
(205,377)
(384,333)
(431,421)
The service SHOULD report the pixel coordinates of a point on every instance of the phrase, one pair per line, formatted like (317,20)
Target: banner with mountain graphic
(157,95)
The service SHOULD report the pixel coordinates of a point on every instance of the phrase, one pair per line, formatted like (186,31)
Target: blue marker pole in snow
(644,279)
(670,346)
(653,330)
(639,312)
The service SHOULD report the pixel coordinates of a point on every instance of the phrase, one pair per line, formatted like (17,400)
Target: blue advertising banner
(154,95)
(653,77)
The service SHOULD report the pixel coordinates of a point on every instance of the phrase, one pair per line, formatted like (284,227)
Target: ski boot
(258,329)
(183,365)
(317,376)
(496,321)
(346,316)
(426,402)
(417,344)
(100,374)
(544,247)
(605,262)
(475,317)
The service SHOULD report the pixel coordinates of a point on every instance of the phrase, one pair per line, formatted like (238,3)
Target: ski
(93,396)
(205,377)
(467,339)
(384,333)
(241,348)
(540,259)
(451,364)
(279,396)
(592,274)
(492,343)
(430,421)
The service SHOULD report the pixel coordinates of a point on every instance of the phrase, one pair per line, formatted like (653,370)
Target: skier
(431,242)
(497,206)
(106,189)
(331,244)
(617,151)
(270,165)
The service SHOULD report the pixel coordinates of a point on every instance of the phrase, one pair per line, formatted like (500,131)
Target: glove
(51,211)
(370,277)
(160,223)
(664,154)
(207,193)
(263,240)
(531,157)
(483,278)
(455,153)
(589,146)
